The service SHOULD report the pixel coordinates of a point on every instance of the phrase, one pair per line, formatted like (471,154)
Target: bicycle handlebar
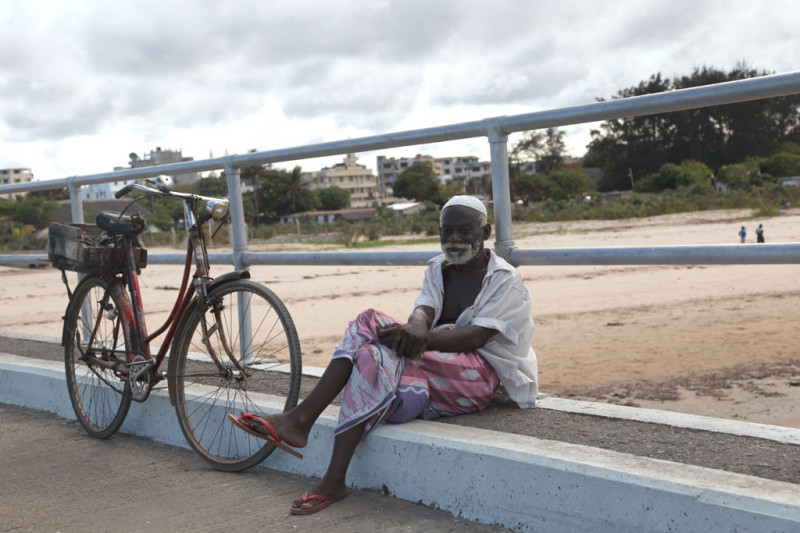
(217,207)
(123,191)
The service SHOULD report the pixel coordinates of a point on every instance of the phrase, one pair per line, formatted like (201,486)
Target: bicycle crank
(139,377)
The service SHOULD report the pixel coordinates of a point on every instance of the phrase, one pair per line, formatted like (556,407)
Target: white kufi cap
(466,201)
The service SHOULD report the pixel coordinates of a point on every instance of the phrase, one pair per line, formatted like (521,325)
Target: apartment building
(105,191)
(459,169)
(463,168)
(359,181)
(9,176)
(391,167)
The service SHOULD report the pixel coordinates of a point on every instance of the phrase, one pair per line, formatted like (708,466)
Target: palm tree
(294,194)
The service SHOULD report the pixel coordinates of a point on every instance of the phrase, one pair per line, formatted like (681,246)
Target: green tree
(166,212)
(250,176)
(781,164)
(689,174)
(253,176)
(332,198)
(295,194)
(739,176)
(715,136)
(37,212)
(666,178)
(570,181)
(213,186)
(267,191)
(533,187)
(419,182)
(481,185)
(634,145)
(546,149)
(283,193)
(51,194)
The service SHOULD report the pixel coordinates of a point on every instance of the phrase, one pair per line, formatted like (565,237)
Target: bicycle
(230,340)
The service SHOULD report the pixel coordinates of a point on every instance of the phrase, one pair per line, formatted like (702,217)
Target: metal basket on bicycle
(86,248)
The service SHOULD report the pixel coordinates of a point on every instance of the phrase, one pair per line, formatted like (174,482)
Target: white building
(463,168)
(105,191)
(359,181)
(460,169)
(9,176)
(390,167)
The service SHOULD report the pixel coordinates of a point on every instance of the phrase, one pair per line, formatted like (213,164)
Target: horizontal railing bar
(152,259)
(722,93)
(720,254)
(665,102)
(23,259)
(338,258)
(701,254)
(180,259)
(779,253)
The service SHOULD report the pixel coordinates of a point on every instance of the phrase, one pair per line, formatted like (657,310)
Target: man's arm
(415,337)
(466,339)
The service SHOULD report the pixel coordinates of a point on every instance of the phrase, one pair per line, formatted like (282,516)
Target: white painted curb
(668,418)
(520,482)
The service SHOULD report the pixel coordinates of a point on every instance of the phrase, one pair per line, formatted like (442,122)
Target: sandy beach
(707,340)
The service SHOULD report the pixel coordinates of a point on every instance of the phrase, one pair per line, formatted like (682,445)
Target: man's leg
(294,425)
(333,482)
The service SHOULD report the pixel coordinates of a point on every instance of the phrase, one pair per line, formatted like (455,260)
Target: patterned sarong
(385,387)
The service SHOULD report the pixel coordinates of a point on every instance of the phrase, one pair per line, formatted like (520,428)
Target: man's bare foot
(290,431)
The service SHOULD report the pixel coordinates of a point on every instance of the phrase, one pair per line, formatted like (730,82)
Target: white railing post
(76,203)
(239,248)
(237,215)
(501,192)
(76,209)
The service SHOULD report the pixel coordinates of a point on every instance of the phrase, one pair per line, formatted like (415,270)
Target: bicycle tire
(100,398)
(204,395)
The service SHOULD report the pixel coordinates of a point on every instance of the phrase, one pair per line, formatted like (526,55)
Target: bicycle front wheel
(254,338)
(94,342)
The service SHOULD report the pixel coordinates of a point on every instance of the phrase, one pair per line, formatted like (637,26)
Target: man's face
(461,234)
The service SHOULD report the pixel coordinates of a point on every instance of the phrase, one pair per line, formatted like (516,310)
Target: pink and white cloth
(385,387)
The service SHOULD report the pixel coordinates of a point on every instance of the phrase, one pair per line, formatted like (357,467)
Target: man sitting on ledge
(470,331)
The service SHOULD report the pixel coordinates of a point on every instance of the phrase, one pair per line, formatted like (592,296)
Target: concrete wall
(520,482)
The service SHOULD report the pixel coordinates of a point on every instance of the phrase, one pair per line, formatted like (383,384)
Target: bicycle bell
(164,183)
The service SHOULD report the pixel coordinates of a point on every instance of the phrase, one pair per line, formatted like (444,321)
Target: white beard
(460,254)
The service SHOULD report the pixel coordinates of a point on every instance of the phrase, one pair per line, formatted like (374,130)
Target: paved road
(56,478)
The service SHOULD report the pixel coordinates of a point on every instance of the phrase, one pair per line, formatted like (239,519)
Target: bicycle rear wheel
(100,397)
(260,366)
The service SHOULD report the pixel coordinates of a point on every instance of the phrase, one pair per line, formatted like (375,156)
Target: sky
(84,83)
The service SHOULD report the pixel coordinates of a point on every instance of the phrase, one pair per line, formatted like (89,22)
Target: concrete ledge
(670,418)
(520,482)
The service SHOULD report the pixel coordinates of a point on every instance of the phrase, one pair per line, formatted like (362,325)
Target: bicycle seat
(113,223)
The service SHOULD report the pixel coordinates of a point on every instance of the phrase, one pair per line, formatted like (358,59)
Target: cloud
(101,77)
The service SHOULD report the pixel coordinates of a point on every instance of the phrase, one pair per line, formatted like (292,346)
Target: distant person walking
(760,233)
(742,233)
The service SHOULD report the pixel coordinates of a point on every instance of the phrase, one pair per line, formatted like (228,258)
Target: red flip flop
(270,435)
(324,501)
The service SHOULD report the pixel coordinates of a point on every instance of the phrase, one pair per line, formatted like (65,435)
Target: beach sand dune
(706,339)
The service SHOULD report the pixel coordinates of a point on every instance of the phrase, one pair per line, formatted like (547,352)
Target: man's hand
(409,340)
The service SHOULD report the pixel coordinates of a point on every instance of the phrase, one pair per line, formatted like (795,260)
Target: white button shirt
(504,305)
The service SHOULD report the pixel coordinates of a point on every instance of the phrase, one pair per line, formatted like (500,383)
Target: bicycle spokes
(218,329)
(106,355)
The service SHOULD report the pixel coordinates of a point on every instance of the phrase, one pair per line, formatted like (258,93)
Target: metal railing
(496,130)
